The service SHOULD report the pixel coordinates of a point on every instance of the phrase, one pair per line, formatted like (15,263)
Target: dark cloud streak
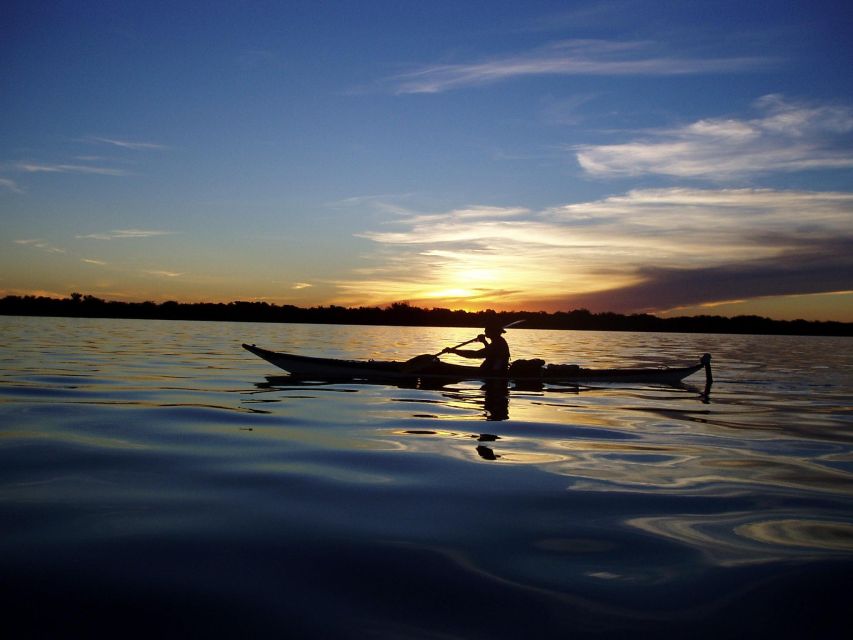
(823,268)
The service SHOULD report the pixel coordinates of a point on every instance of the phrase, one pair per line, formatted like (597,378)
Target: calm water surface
(157,479)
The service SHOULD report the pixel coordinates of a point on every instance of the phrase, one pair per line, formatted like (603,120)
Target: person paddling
(495,350)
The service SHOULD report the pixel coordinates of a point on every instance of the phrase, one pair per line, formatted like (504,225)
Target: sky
(673,157)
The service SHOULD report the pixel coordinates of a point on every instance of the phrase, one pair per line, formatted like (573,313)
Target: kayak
(525,370)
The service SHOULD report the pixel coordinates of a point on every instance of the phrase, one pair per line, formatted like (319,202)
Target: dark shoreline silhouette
(403,314)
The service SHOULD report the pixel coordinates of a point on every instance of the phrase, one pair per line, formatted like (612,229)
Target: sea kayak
(529,370)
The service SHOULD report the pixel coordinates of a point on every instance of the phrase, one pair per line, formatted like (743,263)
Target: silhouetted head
(493,329)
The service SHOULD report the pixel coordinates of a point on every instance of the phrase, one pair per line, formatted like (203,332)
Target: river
(155,478)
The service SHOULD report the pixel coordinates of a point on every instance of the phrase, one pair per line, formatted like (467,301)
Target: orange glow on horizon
(835,306)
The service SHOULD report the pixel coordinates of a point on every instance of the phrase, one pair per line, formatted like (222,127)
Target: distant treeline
(403,314)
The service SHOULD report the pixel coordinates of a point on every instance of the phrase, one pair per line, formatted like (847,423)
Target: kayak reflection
(493,400)
(489,401)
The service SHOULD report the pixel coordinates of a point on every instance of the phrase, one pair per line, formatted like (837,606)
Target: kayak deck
(302,366)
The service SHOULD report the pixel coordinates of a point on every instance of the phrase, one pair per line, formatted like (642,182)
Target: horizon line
(401,305)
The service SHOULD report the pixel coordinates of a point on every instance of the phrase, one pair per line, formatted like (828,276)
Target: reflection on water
(748,538)
(673,441)
(159,467)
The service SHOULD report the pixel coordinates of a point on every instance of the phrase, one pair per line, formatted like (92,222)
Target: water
(154,481)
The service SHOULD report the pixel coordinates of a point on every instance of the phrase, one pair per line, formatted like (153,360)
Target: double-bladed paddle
(423,360)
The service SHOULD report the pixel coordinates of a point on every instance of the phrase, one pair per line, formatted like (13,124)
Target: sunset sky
(675,157)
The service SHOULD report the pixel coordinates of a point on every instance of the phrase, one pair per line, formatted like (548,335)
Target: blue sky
(673,157)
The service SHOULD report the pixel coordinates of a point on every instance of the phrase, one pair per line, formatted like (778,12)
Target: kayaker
(495,350)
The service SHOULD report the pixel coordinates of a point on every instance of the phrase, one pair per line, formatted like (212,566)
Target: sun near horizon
(464,156)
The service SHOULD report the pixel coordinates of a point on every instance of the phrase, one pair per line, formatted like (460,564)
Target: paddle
(423,360)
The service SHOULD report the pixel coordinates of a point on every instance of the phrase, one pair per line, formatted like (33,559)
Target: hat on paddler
(494,328)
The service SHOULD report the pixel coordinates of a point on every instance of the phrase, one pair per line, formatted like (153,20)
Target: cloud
(162,273)
(10,185)
(786,136)
(568,58)
(301,285)
(38,243)
(127,144)
(120,234)
(92,261)
(477,212)
(825,268)
(378,201)
(566,111)
(30,167)
(650,249)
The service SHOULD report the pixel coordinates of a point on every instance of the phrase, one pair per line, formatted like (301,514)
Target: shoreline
(401,314)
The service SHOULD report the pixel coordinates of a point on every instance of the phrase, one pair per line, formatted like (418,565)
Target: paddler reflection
(496,401)
(484,451)
(495,408)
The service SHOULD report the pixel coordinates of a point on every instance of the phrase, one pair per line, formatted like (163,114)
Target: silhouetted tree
(402,313)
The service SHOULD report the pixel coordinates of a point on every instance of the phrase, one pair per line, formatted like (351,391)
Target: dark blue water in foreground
(154,481)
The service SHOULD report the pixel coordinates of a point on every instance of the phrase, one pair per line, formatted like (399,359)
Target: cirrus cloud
(127,144)
(33,167)
(38,243)
(569,58)
(10,185)
(121,234)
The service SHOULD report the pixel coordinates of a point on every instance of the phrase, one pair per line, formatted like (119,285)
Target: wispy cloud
(128,144)
(38,243)
(301,285)
(162,273)
(82,164)
(10,185)
(476,212)
(386,202)
(99,263)
(787,136)
(31,167)
(566,111)
(645,250)
(569,58)
(121,234)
